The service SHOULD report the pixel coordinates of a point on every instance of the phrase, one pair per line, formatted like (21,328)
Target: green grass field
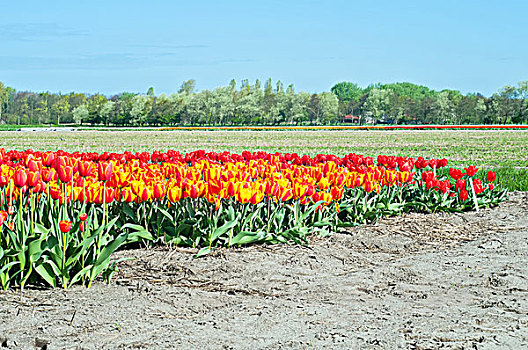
(503,151)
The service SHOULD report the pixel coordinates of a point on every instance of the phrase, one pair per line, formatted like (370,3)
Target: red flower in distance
(477,185)
(471,170)
(464,195)
(456,174)
(65,226)
(442,163)
(491,176)
(83,216)
(460,185)
(433,163)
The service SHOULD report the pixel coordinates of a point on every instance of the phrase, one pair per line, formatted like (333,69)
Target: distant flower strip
(353,127)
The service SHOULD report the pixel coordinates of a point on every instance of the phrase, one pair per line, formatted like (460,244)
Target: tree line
(406,103)
(267,104)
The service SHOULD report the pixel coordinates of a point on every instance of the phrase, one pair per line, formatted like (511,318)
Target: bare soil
(416,281)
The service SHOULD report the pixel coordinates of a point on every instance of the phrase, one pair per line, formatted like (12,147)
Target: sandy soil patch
(418,281)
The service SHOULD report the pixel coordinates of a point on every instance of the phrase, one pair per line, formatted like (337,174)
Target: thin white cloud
(36,31)
(111,61)
(168,46)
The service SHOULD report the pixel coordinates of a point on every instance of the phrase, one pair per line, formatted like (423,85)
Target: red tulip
(368,186)
(3,181)
(471,170)
(105,170)
(21,177)
(460,185)
(65,226)
(33,178)
(491,176)
(158,191)
(464,195)
(337,192)
(286,195)
(445,186)
(128,195)
(33,165)
(48,158)
(83,216)
(456,174)
(49,174)
(55,192)
(477,185)
(433,163)
(65,173)
(85,168)
(231,190)
(3,217)
(174,194)
(109,195)
(145,194)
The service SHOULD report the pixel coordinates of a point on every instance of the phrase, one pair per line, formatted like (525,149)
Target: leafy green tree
(378,102)
(80,114)
(521,95)
(346,91)
(107,112)
(3,98)
(42,110)
(443,109)
(222,105)
(141,106)
(60,107)
(480,111)
(94,104)
(187,87)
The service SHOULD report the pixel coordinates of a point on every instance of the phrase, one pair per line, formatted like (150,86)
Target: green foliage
(37,250)
(346,91)
(267,104)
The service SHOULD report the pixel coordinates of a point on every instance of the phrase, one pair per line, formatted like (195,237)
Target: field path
(418,282)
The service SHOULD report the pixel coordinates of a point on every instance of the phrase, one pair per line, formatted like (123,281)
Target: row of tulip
(63,214)
(353,127)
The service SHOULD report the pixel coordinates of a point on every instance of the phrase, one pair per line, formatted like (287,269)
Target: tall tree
(3,98)
(187,86)
(346,91)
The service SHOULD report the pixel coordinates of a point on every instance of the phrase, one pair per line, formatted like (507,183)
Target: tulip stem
(64,201)
(474,195)
(31,208)
(104,203)
(72,199)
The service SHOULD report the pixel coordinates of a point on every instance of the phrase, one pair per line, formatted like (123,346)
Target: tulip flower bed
(63,214)
(353,127)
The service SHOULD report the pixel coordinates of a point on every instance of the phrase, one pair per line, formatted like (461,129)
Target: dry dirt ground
(417,282)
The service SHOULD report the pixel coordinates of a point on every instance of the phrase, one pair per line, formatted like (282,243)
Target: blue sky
(114,46)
